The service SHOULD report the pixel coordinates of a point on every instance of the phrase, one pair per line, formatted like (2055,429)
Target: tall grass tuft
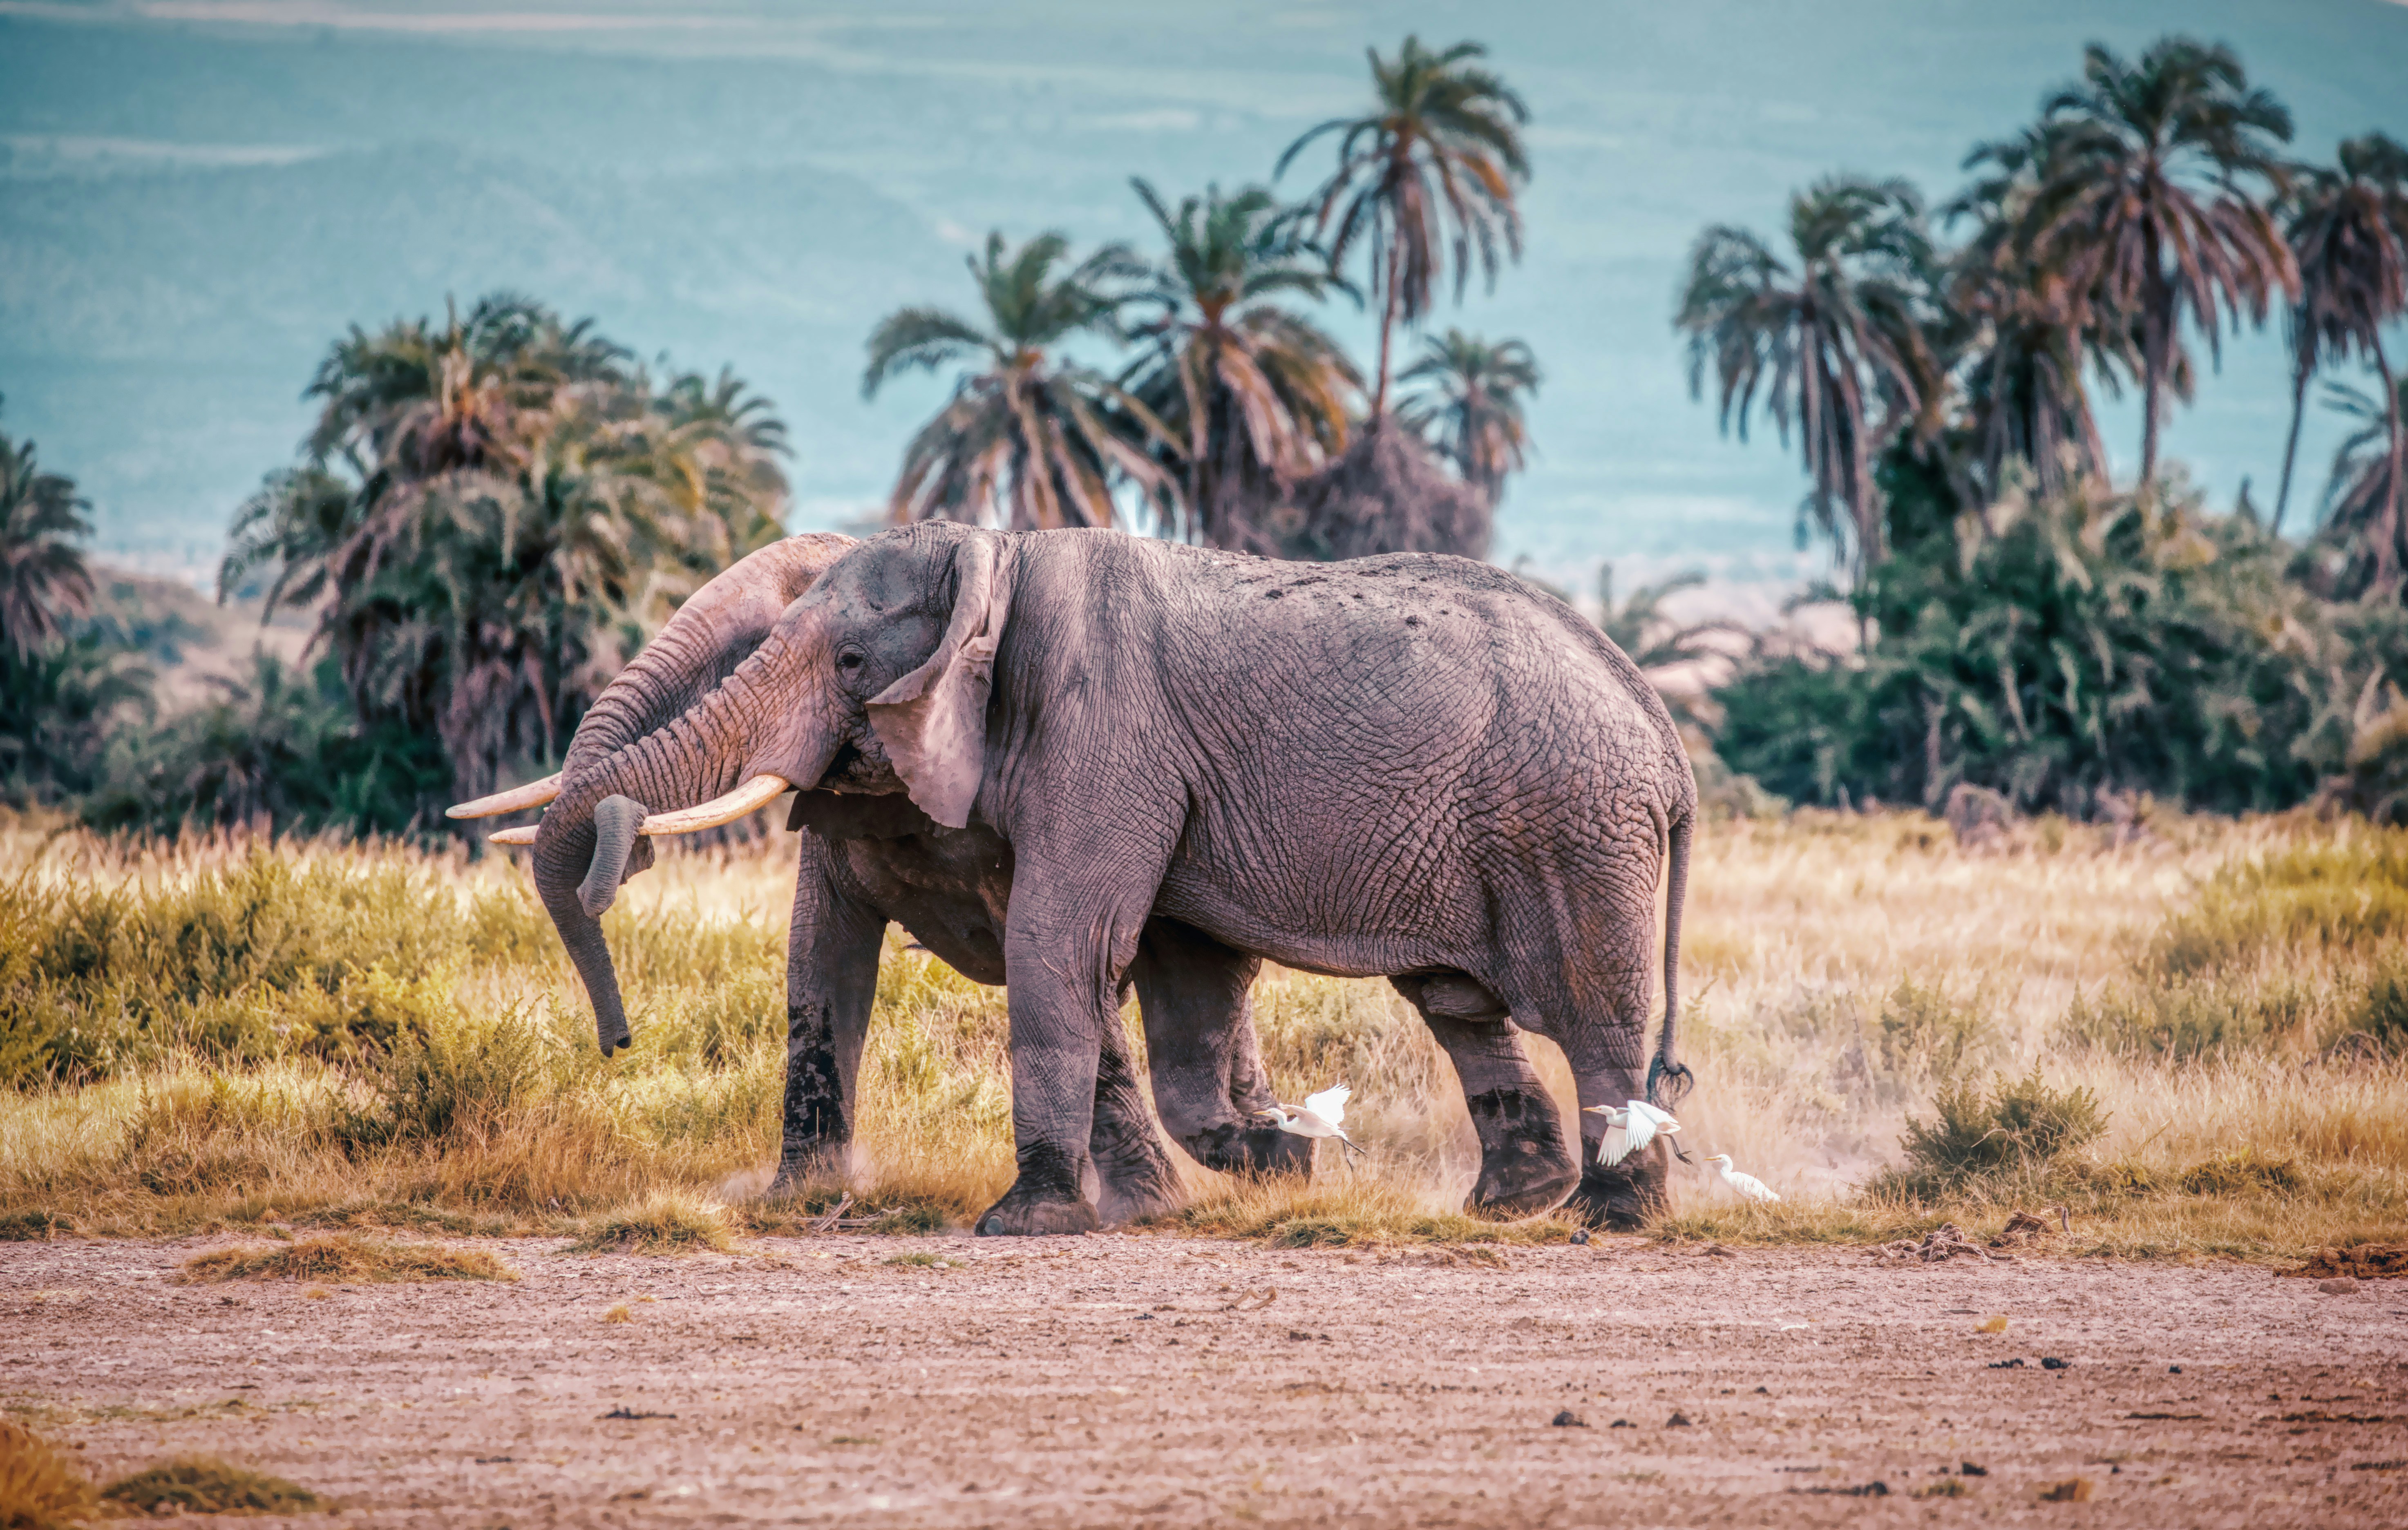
(342,1258)
(203,1484)
(40,1487)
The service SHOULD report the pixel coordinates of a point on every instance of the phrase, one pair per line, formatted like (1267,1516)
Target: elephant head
(813,664)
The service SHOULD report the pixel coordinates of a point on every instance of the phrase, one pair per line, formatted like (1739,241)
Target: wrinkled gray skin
(867,859)
(1413,766)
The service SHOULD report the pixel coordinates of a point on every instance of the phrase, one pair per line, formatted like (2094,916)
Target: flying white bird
(1630,1128)
(1323,1115)
(1747,1185)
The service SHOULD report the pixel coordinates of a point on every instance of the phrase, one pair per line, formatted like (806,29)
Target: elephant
(867,859)
(1412,766)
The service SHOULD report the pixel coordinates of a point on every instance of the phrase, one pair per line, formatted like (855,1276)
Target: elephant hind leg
(1524,1167)
(1135,1174)
(1606,1046)
(1207,1065)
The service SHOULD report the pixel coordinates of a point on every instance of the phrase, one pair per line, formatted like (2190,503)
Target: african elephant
(867,859)
(1409,765)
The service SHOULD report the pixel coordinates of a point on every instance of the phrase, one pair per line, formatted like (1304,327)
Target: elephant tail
(1664,1070)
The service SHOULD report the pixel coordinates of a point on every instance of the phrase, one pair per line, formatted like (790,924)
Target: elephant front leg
(831,980)
(1524,1167)
(1064,990)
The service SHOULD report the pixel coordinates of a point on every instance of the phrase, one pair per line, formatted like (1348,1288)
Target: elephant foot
(1523,1169)
(813,1168)
(1138,1183)
(1044,1201)
(1251,1150)
(1019,1215)
(1622,1199)
(1524,1180)
(1128,1199)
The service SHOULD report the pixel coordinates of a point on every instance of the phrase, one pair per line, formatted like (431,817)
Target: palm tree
(1470,408)
(492,515)
(2025,335)
(1426,181)
(1840,343)
(2146,175)
(413,401)
(2361,521)
(2349,235)
(1032,439)
(42,572)
(1253,394)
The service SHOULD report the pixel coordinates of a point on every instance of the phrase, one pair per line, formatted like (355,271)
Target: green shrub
(268,955)
(2056,647)
(455,1071)
(2018,1123)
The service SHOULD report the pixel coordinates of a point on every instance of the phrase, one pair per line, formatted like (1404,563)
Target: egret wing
(1662,1119)
(1330,1103)
(1641,1127)
(1614,1146)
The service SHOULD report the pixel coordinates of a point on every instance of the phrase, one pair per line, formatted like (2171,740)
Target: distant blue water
(190,213)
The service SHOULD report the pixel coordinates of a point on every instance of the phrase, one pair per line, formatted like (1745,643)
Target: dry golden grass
(40,1486)
(1839,971)
(202,1484)
(342,1258)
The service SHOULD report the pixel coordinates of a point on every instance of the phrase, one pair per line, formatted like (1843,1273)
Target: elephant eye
(849,661)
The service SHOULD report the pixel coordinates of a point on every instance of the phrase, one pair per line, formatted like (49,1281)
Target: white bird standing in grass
(1630,1128)
(1323,1115)
(1748,1185)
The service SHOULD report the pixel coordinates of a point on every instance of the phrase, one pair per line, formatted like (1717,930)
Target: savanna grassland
(2188,1032)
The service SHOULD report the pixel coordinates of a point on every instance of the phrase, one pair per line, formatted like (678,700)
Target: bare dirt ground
(1113,1380)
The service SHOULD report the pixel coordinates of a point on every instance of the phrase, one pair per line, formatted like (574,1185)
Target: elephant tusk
(533,795)
(513,837)
(749,797)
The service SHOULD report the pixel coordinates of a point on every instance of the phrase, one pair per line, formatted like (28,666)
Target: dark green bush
(2057,649)
(283,747)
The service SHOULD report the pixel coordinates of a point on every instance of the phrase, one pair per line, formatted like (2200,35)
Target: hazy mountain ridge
(290,254)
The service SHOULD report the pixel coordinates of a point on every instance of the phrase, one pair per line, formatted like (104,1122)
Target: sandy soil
(1109,1381)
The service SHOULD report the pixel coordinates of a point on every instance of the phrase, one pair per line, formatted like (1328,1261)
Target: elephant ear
(933,720)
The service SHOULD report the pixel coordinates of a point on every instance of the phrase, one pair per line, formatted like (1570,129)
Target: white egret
(1747,1185)
(1322,1115)
(1630,1127)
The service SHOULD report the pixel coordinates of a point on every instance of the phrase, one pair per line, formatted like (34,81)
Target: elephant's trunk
(751,728)
(581,932)
(615,821)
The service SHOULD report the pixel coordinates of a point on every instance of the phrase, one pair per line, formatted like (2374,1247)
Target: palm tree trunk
(1387,328)
(2150,372)
(2291,443)
(2394,549)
